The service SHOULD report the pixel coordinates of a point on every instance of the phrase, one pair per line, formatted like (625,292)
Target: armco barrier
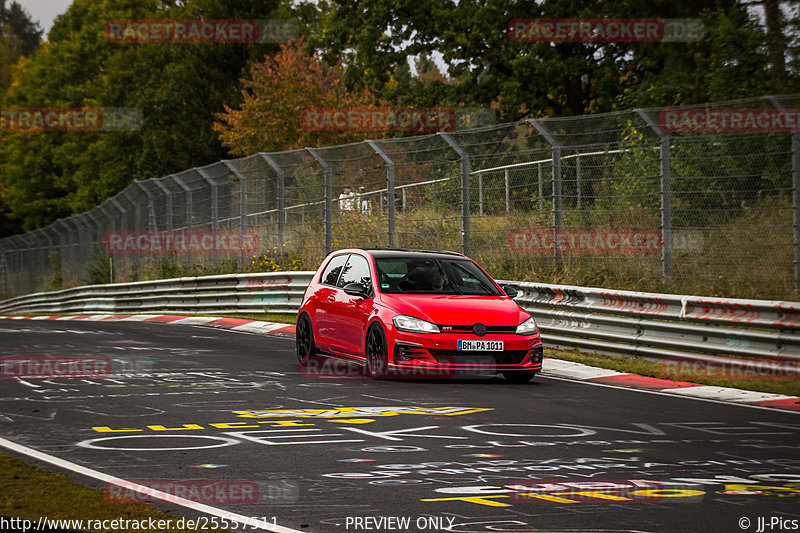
(274,292)
(661,327)
(667,327)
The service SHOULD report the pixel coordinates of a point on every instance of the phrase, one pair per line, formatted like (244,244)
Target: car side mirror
(356,289)
(510,291)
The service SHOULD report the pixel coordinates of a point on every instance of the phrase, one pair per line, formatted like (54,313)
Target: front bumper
(418,352)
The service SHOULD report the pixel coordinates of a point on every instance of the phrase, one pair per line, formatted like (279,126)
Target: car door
(324,298)
(350,313)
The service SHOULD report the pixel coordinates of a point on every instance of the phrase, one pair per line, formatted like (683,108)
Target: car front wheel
(376,353)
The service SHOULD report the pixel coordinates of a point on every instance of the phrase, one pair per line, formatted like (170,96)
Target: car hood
(458,309)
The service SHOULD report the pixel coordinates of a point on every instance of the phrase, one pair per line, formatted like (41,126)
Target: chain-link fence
(701,200)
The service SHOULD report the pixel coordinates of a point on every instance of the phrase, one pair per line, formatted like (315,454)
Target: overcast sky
(44,10)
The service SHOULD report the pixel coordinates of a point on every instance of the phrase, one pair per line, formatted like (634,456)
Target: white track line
(169,498)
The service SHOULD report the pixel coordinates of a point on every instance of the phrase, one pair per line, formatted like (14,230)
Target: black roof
(406,252)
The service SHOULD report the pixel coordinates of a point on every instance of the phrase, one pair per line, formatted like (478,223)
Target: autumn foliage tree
(275,94)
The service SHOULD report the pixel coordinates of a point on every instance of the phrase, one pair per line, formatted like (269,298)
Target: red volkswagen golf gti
(416,313)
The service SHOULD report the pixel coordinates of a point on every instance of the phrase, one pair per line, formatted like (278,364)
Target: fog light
(536,355)
(408,352)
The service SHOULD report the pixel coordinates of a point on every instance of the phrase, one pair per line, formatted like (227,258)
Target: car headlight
(415,325)
(527,328)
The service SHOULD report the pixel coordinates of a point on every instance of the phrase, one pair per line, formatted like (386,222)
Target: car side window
(356,271)
(331,273)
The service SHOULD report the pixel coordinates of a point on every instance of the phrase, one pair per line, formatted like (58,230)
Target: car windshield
(402,275)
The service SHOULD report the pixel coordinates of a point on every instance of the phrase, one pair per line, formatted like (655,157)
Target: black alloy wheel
(304,340)
(376,352)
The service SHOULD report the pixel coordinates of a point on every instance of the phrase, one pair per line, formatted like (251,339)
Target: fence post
(61,230)
(152,221)
(88,224)
(578,178)
(123,213)
(465,233)
(666,197)
(168,201)
(242,201)
(214,199)
(43,252)
(541,187)
(390,214)
(508,193)
(123,226)
(328,198)
(281,195)
(109,218)
(137,210)
(113,225)
(32,284)
(189,207)
(74,248)
(3,274)
(555,146)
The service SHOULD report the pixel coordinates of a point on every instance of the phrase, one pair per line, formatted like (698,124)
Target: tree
(176,87)
(546,78)
(276,92)
(19,36)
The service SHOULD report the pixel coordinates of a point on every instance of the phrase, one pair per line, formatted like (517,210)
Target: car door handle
(331,299)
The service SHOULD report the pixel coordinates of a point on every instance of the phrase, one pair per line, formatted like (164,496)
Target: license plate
(480,346)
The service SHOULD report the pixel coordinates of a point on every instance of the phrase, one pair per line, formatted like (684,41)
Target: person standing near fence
(347,199)
(364,203)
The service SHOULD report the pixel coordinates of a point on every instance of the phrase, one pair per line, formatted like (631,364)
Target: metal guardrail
(661,327)
(668,327)
(274,292)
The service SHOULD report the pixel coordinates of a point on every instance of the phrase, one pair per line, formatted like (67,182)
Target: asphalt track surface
(329,450)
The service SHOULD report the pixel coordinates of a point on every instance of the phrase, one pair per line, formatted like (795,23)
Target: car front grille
(489,329)
(455,357)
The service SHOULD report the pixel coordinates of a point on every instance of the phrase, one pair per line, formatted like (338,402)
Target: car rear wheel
(518,377)
(376,352)
(304,340)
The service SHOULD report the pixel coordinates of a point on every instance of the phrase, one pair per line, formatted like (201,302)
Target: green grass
(28,491)
(743,253)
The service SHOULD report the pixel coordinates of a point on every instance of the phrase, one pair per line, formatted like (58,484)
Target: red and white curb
(554,368)
(558,368)
(258,327)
